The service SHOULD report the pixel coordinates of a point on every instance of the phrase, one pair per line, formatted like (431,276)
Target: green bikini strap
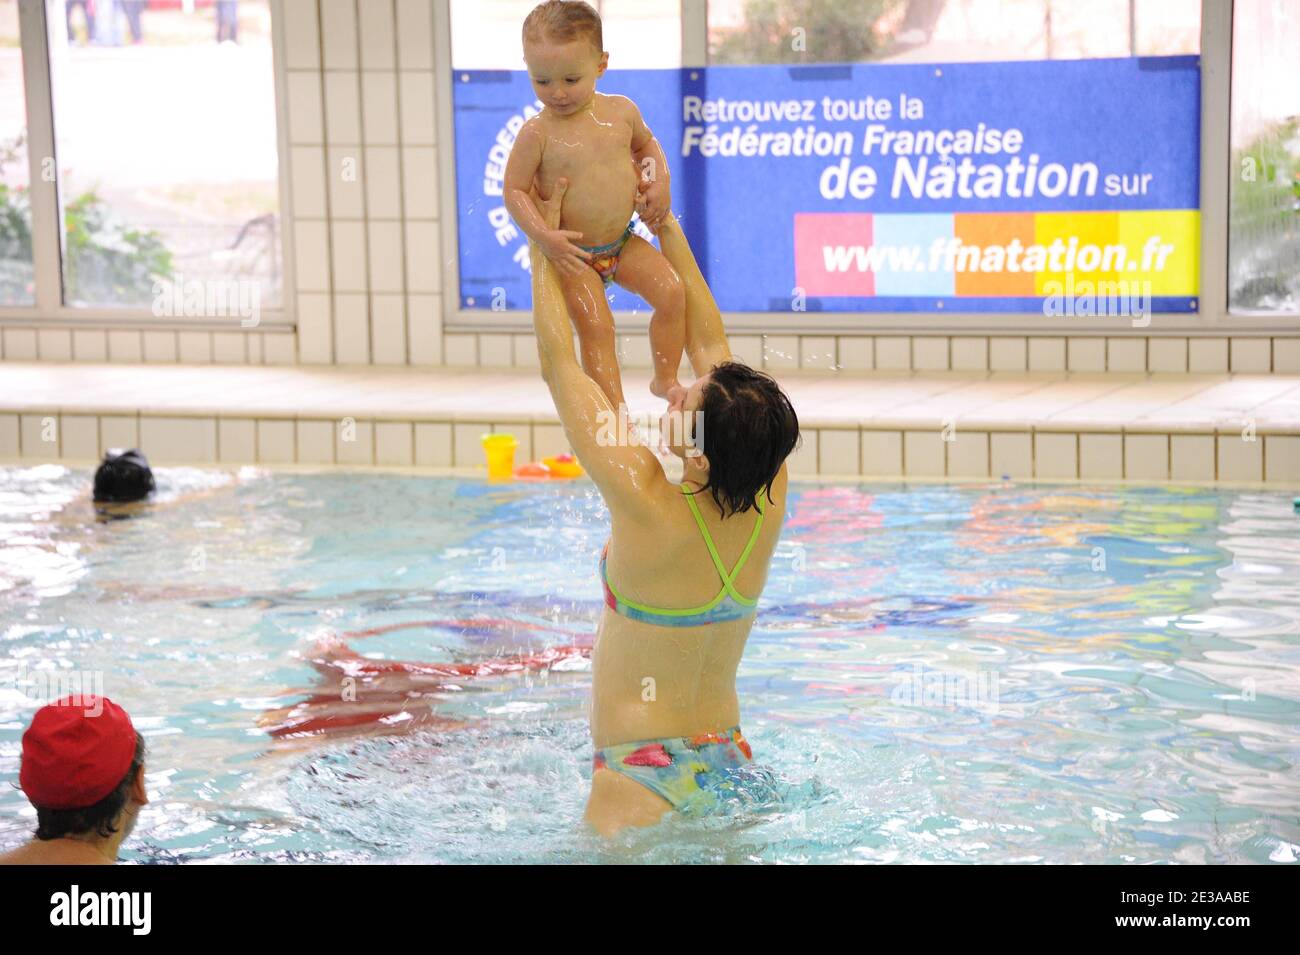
(727,578)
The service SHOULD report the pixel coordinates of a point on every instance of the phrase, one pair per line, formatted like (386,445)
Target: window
(153,137)
(1264,190)
(16,276)
(947,31)
(167,158)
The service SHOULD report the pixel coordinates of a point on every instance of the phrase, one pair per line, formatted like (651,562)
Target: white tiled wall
(999,353)
(363,147)
(373,317)
(1011,455)
(841,451)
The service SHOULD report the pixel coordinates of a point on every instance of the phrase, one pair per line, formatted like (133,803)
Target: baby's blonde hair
(564,20)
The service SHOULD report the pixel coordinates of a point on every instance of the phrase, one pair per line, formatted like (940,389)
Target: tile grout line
(1119,386)
(329,204)
(364,192)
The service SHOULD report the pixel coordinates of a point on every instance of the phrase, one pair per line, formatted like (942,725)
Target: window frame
(49,310)
(1212,317)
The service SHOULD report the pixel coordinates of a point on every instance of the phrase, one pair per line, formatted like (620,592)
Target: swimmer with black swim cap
(123,477)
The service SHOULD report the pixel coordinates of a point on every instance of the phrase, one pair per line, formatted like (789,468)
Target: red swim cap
(76,752)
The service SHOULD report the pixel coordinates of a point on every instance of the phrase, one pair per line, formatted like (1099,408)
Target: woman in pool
(684,565)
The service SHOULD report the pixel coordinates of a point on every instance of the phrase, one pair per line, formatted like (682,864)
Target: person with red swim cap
(83,771)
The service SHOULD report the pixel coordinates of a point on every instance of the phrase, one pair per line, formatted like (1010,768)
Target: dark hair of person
(96,819)
(123,477)
(750,428)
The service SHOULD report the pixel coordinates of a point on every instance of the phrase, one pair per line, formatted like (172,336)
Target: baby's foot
(667,390)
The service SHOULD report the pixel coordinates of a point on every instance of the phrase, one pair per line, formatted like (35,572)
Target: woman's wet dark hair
(96,819)
(122,477)
(750,428)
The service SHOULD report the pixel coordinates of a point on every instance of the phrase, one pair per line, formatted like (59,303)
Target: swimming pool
(980,673)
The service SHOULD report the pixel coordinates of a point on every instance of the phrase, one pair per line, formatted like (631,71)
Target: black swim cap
(124,476)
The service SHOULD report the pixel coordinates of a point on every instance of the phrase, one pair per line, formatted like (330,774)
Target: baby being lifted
(597,144)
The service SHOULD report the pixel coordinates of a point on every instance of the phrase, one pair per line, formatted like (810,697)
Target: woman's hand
(556,243)
(641,204)
(557,246)
(655,202)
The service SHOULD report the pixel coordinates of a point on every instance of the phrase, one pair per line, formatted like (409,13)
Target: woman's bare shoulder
(782,479)
(658,510)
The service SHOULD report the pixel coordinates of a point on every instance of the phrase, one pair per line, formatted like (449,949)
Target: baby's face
(564,74)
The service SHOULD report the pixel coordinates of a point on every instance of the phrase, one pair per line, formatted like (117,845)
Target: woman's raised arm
(622,470)
(706,339)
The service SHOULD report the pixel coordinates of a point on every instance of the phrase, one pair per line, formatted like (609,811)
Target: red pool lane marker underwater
(351,663)
(479,625)
(395,696)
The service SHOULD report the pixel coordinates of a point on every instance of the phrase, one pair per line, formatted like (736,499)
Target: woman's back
(655,679)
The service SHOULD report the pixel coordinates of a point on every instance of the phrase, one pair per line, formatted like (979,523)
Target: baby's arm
(521,169)
(653,165)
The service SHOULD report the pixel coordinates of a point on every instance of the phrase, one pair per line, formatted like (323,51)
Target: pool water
(980,673)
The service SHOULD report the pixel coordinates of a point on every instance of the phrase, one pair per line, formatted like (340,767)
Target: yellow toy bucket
(500,451)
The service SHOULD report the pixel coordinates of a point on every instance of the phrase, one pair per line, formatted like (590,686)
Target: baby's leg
(643,269)
(589,309)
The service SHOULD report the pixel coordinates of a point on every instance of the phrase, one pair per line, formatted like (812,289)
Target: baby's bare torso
(593,150)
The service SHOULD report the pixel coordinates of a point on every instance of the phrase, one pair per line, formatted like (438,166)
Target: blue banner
(968,187)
